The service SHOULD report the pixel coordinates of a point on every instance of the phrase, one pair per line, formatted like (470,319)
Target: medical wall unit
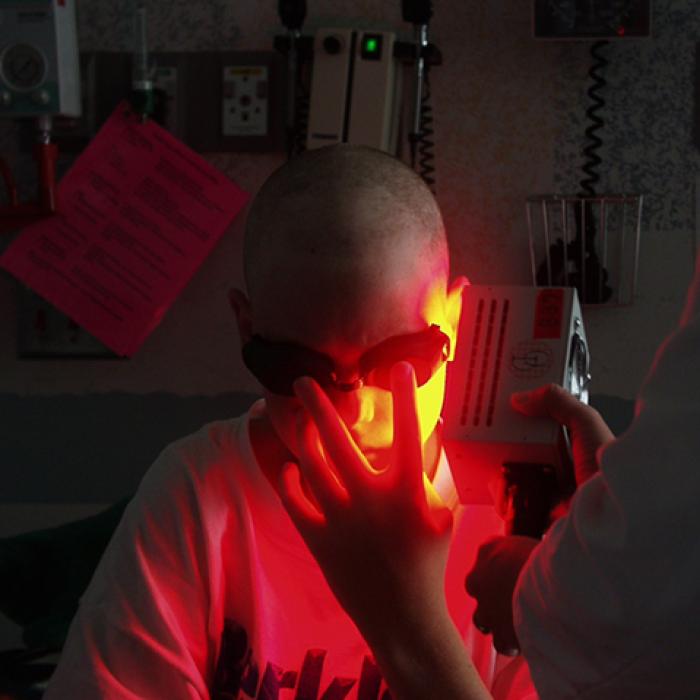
(363,85)
(39,70)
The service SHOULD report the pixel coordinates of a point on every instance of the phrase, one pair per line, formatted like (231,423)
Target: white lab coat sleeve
(607,605)
(141,629)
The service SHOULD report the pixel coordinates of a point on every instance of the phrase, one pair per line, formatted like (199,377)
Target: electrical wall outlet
(252,84)
(45,333)
(244,101)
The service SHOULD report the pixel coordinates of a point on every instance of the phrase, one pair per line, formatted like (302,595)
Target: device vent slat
(472,362)
(486,355)
(497,365)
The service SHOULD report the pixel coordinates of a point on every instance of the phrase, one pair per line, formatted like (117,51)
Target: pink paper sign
(139,213)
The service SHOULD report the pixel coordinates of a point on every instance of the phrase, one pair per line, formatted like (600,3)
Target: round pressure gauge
(23,67)
(578,370)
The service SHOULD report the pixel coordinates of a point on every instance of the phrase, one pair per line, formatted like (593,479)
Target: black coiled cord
(594,142)
(577,264)
(425,143)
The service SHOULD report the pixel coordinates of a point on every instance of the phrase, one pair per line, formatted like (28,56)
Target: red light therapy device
(512,339)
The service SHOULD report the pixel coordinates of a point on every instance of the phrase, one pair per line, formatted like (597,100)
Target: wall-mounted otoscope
(292,14)
(418,13)
(142,88)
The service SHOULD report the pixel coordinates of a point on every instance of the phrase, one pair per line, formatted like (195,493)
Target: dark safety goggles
(277,365)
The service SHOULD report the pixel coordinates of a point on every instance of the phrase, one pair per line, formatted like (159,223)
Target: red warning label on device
(549,311)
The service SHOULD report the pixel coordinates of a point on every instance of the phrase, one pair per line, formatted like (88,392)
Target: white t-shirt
(608,604)
(207,591)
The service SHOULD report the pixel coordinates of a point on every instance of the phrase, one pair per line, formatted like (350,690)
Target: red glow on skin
(367,411)
(313,451)
(373,429)
(442,306)
(336,472)
(368,416)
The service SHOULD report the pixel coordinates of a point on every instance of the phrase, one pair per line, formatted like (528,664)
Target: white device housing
(354,99)
(509,339)
(39,63)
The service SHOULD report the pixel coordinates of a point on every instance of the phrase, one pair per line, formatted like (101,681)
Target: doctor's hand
(492,582)
(379,542)
(499,561)
(587,429)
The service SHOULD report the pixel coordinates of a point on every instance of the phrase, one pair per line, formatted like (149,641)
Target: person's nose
(354,406)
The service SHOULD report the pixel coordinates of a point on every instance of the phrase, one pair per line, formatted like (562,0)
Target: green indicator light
(371,45)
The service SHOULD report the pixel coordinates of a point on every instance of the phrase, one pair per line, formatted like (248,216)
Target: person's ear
(453,309)
(240,304)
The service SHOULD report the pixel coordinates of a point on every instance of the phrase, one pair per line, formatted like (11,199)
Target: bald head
(333,231)
(345,252)
(344,206)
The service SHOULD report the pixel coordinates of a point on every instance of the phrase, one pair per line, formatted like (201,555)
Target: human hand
(492,582)
(587,429)
(380,544)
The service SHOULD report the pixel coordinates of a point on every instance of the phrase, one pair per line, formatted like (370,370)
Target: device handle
(531,493)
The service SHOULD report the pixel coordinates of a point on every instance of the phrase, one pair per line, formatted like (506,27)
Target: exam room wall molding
(508,119)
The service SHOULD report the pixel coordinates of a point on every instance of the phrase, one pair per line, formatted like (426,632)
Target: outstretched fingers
(317,470)
(349,462)
(553,401)
(305,516)
(587,429)
(407,453)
